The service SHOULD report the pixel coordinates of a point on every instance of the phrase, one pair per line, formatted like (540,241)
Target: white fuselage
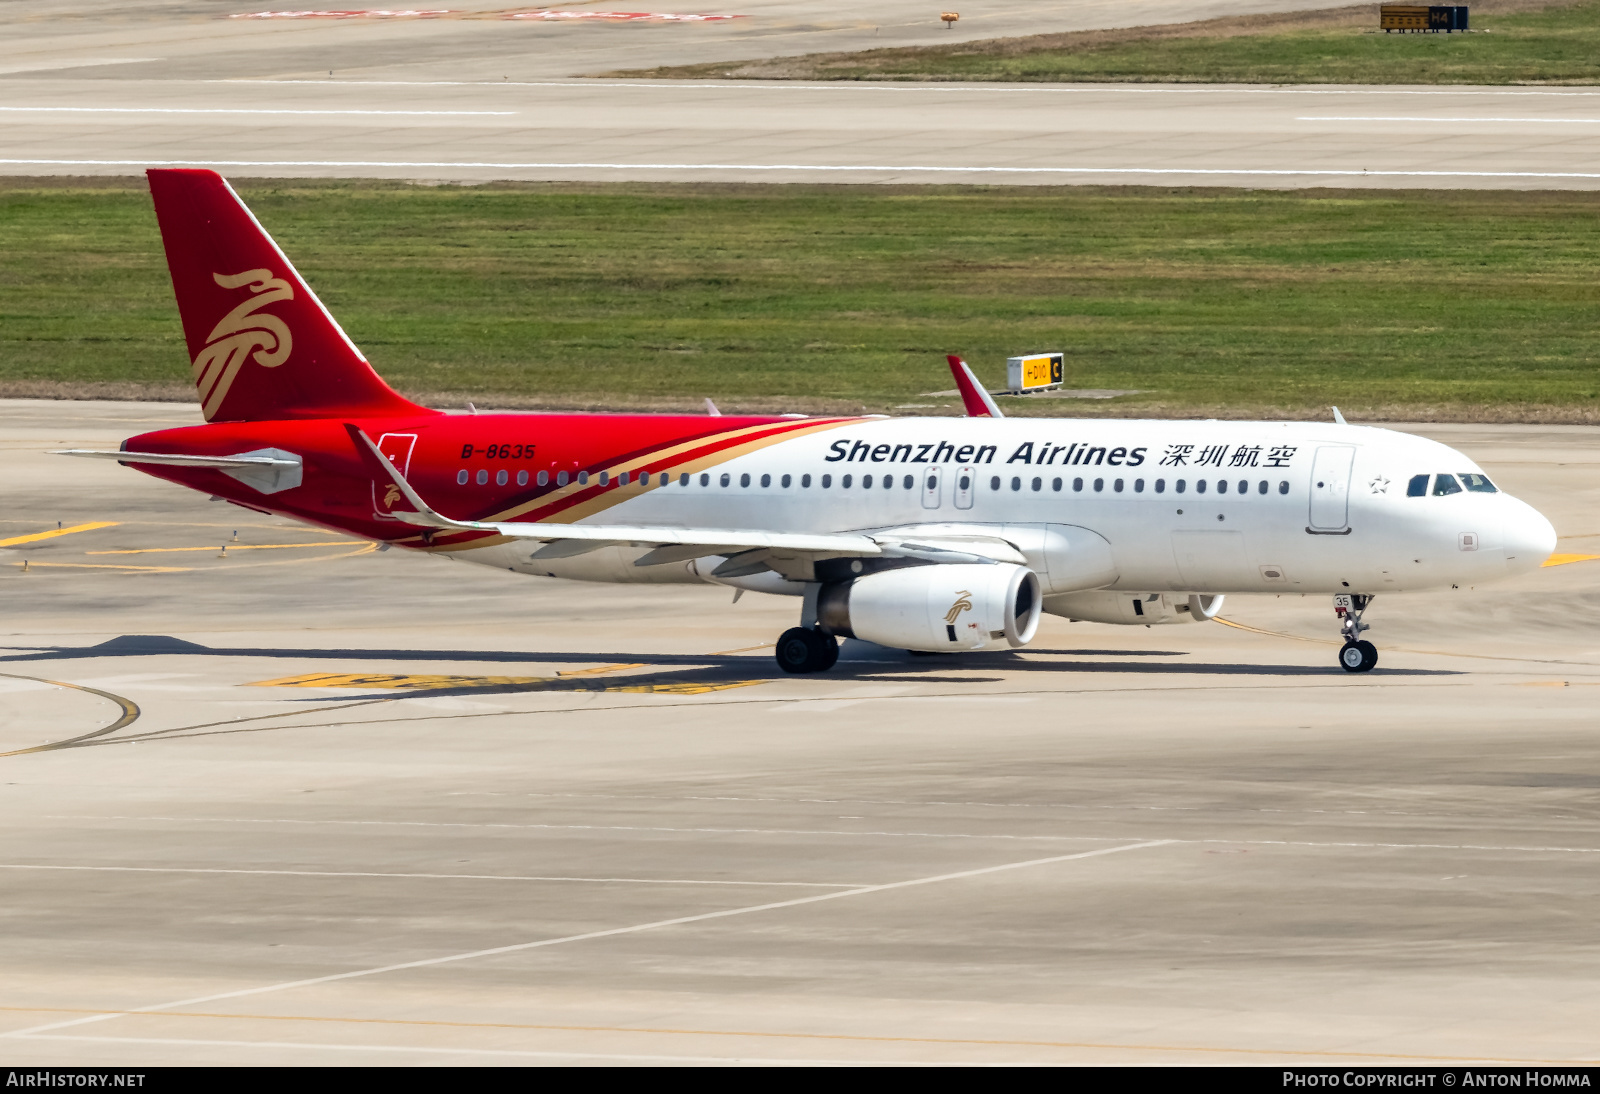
(1205,507)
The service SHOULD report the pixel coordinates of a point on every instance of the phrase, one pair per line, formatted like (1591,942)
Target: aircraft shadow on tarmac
(714,668)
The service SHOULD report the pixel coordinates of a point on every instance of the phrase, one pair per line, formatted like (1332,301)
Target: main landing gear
(1357,654)
(806,649)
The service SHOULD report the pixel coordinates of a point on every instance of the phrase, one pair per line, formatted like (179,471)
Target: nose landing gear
(806,649)
(1357,654)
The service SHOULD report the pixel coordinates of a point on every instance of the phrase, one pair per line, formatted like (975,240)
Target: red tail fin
(262,344)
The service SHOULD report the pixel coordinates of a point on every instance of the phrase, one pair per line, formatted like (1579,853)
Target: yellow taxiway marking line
(1269,634)
(419,681)
(230,546)
(54,532)
(1563,560)
(597,670)
(741,649)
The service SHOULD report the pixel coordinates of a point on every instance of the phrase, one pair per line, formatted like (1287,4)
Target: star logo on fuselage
(1379,485)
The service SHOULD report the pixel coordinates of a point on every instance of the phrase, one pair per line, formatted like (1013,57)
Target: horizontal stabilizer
(170,459)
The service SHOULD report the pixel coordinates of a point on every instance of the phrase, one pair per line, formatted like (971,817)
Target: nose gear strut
(1357,654)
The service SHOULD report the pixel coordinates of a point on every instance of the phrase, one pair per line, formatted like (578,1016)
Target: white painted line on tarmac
(1450,121)
(227,110)
(941,88)
(520,947)
(511,1052)
(426,877)
(900,169)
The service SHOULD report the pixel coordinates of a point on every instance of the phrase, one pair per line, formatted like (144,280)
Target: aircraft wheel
(797,651)
(827,650)
(1358,656)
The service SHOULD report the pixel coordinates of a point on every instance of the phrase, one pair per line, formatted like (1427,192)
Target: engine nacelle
(936,609)
(1129,608)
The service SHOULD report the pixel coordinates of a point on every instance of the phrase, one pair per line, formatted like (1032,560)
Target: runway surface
(479,99)
(328,805)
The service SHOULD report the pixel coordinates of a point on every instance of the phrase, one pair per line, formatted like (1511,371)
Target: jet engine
(942,608)
(1130,608)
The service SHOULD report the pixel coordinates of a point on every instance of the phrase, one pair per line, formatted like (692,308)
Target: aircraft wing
(180,460)
(724,539)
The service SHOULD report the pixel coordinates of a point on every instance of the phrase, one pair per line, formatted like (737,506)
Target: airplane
(934,535)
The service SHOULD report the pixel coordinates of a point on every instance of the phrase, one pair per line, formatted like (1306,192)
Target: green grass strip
(1557,45)
(1229,302)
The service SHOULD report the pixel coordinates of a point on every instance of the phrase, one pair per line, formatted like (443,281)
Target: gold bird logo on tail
(963,604)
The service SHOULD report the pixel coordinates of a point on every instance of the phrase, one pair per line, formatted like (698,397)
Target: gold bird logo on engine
(963,604)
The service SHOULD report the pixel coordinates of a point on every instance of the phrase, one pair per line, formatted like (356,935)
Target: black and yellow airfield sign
(1035,371)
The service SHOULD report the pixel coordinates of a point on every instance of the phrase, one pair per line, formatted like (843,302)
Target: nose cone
(1528,537)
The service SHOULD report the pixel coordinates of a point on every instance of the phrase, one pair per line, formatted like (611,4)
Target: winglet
(1339,418)
(978,402)
(382,470)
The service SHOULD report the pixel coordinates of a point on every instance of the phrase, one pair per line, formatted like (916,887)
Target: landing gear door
(396,448)
(1330,489)
(966,485)
(932,486)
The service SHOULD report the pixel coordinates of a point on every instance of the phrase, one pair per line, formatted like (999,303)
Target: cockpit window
(1417,487)
(1445,484)
(1478,484)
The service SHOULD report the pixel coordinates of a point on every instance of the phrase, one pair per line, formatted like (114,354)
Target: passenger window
(1417,487)
(1244,487)
(583,478)
(605,478)
(522,478)
(766,481)
(844,482)
(1138,486)
(1161,486)
(744,480)
(461,478)
(1478,484)
(827,481)
(500,478)
(866,482)
(483,477)
(1016,482)
(1262,489)
(964,484)
(705,480)
(805,482)
(1445,484)
(1283,487)
(1077,485)
(1117,486)
(561,478)
(683,478)
(888,482)
(1055,484)
(1222,486)
(909,482)
(785,481)
(1199,486)
(1179,486)
(726,479)
(994,482)
(1099,485)
(544,478)
(1038,483)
